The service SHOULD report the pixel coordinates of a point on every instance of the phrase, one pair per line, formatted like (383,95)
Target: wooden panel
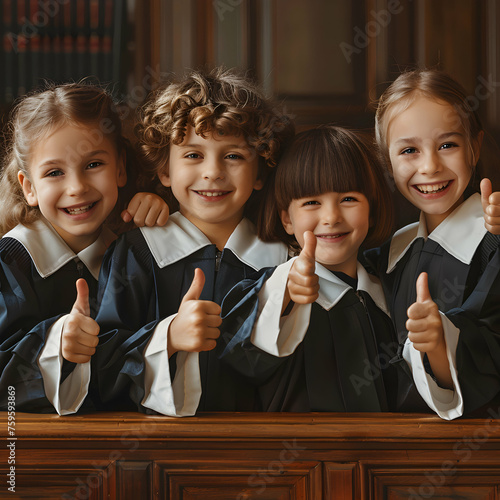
(134,480)
(277,479)
(340,481)
(63,483)
(437,482)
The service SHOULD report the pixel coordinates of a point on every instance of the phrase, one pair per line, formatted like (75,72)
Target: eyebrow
(58,161)
(445,135)
(228,146)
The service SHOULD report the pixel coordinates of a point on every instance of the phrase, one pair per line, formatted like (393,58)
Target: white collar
(180,238)
(459,234)
(332,288)
(49,252)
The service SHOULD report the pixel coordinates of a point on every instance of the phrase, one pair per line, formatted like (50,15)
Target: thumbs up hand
(196,326)
(424,321)
(491,207)
(303,283)
(425,330)
(80,331)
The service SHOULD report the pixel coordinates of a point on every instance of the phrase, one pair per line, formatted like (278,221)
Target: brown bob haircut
(328,159)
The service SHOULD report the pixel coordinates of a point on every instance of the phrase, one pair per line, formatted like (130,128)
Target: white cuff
(447,403)
(177,399)
(272,333)
(68,396)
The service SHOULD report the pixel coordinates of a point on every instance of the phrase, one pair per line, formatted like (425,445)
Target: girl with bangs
(314,332)
(211,141)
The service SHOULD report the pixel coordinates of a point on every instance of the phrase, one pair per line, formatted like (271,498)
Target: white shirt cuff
(181,397)
(68,396)
(447,403)
(272,333)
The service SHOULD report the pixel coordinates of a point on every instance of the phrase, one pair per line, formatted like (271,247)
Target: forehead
(212,139)
(66,142)
(424,118)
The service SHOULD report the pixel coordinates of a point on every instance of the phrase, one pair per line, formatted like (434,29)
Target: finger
(213,321)
(145,215)
(486,190)
(301,279)
(309,249)
(416,325)
(417,311)
(162,218)
(81,304)
(423,293)
(126,216)
(196,287)
(76,358)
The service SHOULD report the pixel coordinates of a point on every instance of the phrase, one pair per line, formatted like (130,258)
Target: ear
(121,174)
(286,221)
(28,189)
(259,184)
(164,177)
(476,146)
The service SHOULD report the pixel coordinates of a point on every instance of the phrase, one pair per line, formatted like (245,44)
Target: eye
(94,164)
(192,156)
(449,145)
(409,151)
(309,203)
(234,156)
(349,198)
(54,173)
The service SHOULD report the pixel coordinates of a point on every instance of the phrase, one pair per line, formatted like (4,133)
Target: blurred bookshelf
(60,41)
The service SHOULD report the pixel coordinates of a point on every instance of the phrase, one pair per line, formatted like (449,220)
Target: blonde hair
(218,102)
(35,116)
(433,84)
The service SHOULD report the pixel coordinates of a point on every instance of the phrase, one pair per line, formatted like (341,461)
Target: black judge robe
(143,280)
(463,264)
(36,289)
(342,363)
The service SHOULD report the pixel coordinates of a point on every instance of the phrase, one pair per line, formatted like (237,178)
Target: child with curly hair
(211,140)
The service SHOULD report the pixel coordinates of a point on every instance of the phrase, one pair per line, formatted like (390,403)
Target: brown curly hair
(221,102)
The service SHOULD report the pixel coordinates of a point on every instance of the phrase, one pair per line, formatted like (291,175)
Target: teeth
(330,236)
(211,193)
(431,188)
(79,210)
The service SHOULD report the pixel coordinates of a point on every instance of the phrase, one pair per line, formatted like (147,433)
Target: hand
(425,331)
(303,283)
(196,326)
(424,325)
(491,207)
(146,209)
(79,335)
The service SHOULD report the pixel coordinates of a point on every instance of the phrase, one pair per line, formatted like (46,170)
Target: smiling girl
(65,164)
(430,139)
(314,332)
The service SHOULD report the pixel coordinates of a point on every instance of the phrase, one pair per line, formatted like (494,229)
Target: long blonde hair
(33,118)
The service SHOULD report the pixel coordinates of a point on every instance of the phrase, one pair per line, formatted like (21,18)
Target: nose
(76,185)
(213,169)
(331,215)
(430,163)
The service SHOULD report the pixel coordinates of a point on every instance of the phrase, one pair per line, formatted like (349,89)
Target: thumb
(196,287)
(309,249)
(486,190)
(81,304)
(423,293)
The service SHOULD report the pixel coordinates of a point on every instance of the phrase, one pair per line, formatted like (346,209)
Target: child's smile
(430,157)
(340,222)
(212,178)
(74,180)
